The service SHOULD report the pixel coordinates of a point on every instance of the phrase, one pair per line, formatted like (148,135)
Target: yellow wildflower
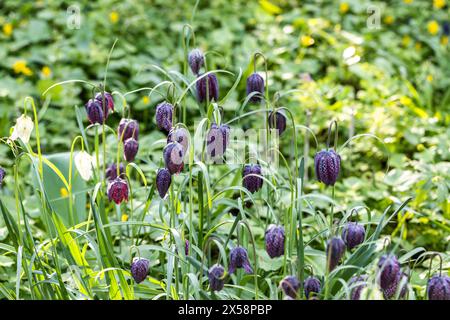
(438,4)
(418,46)
(20,66)
(420,147)
(307,41)
(388,19)
(433,27)
(63,192)
(114,16)
(408,1)
(145,99)
(424,220)
(429,78)
(124,217)
(344,7)
(444,40)
(406,40)
(46,71)
(406,101)
(7,29)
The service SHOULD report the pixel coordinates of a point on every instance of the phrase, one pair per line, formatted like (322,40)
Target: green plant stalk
(300,243)
(200,209)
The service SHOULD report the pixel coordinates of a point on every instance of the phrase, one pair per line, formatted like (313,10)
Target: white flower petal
(83,163)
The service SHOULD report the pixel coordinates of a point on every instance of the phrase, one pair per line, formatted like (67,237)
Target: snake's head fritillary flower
(217,140)
(290,286)
(396,288)
(180,135)
(128,128)
(109,101)
(335,251)
(163,181)
(239,259)
(130,149)
(439,287)
(95,111)
(2,175)
(23,128)
(277,120)
(118,190)
(353,234)
(196,60)
(216,277)
(252,177)
(255,83)
(164,112)
(84,162)
(327,164)
(111,171)
(356,285)
(212,93)
(173,157)
(186,247)
(311,287)
(274,240)
(139,269)
(389,271)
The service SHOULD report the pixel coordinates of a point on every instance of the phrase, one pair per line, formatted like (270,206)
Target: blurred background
(377,67)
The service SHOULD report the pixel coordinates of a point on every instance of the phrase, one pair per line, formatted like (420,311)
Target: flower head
(163,181)
(118,190)
(212,93)
(252,177)
(139,269)
(196,60)
(327,164)
(311,286)
(23,128)
(215,275)
(335,251)
(128,128)
(130,149)
(438,288)
(433,27)
(389,269)
(173,157)
(111,171)
(274,240)
(180,135)
(255,83)
(164,112)
(290,286)
(84,163)
(95,111)
(2,175)
(277,120)
(356,285)
(239,259)
(353,234)
(109,101)
(217,140)
(344,7)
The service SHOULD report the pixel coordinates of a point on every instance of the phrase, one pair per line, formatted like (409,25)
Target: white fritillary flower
(84,163)
(23,128)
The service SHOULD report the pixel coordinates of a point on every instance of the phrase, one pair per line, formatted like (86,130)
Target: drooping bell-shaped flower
(23,128)
(163,181)
(180,135)
(186,247)
(327,164)
(438,288)
(139,269)
(274,239)
(255,83)
(335,251)
(173,157)
(290,286)
(196,60)
(2,175)
(130,149)
(277,120)
(311,287)
(252,177)
(212,93)
(389,271)
(109,101)
(353,234)
(217,140)
(118,190)
(111,171)
(164,112)
(95,111)
(216,277)
(239,259)
(356,285)
(397,288)
(129,128)
(84,162)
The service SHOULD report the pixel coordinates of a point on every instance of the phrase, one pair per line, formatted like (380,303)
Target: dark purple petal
(327,164)
(139,269)
(353,234)
(94,111)
(290,286)
(335,251)
(118,190)
(255,83)
(210,82)
(130,149)
(129,128)
(163,181)
(164,112)
(111,171)
(274,240)
(239,259)
(173,157)
(196,60)
(215,276)
(277,121)
(252,180)
(311,287)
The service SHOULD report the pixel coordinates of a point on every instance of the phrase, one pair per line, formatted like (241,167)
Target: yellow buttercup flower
(444,40)
(306,41)
(408,1)
(420,147)
(438,4)
(63,192)
(429,78)
(406,40)
(20,66)
(46,71)
(405,101)
(145,99)
(7,29)
(418,46)
(124,217)
(344,7)
(114,16)
(388,19)
(433,27)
